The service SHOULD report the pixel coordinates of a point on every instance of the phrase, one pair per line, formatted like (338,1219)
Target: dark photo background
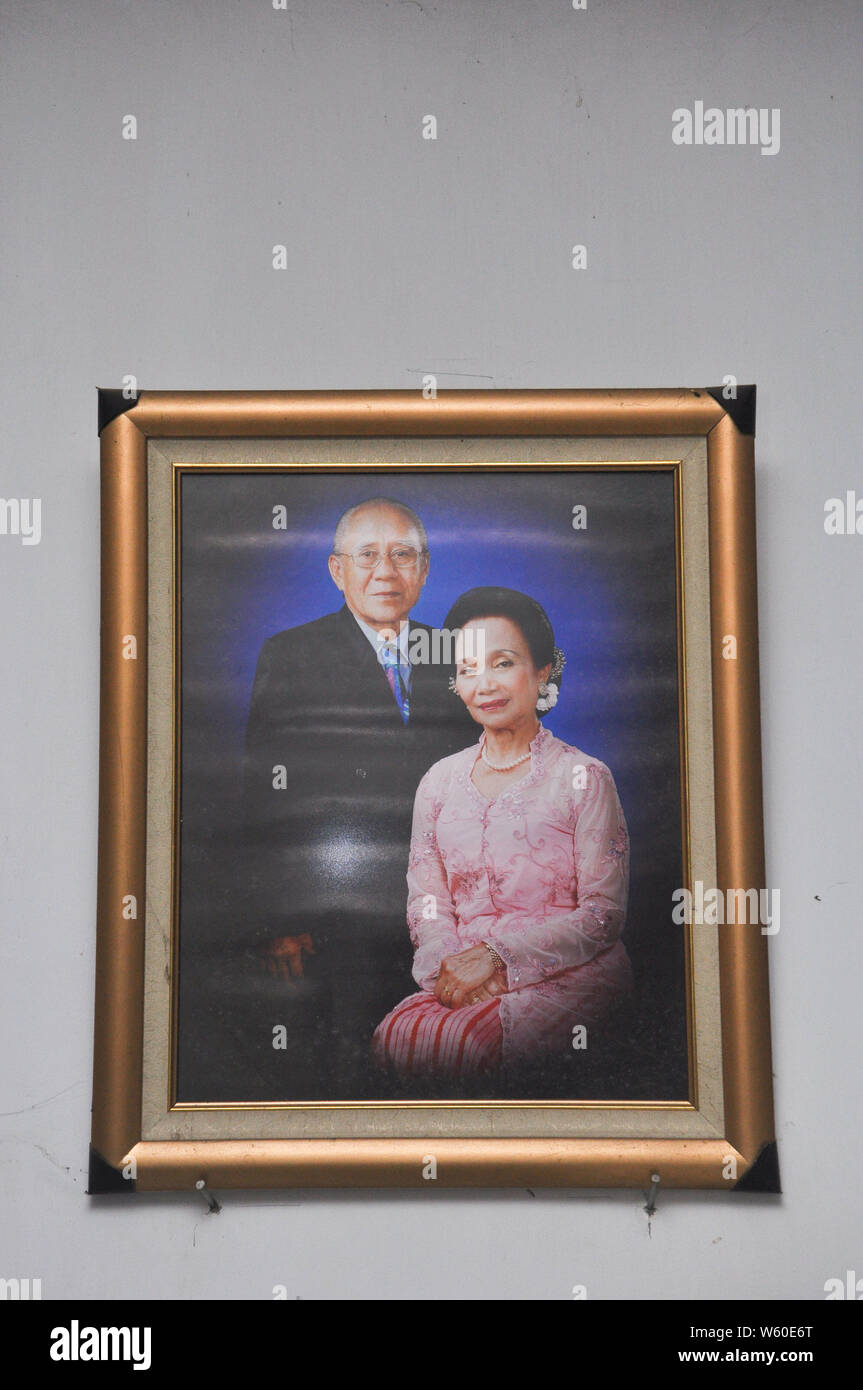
(610,593)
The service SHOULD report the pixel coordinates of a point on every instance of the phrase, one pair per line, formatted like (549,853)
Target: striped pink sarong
(420,1038)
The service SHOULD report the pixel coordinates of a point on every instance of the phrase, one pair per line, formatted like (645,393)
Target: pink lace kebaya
(541,873)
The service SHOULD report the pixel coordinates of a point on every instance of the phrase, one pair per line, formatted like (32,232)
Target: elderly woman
(518,871)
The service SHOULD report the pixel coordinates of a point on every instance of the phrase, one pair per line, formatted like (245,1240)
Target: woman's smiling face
(495,674)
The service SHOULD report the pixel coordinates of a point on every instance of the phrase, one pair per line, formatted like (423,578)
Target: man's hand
(469,977)
(283,956)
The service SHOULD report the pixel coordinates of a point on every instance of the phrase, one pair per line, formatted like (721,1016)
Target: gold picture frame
(141,1139)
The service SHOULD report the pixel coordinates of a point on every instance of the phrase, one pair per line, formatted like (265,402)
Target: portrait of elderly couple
(423,718)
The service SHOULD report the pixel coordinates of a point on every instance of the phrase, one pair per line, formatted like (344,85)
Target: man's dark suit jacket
(329,848)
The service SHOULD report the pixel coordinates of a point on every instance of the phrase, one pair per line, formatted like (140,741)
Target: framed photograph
(430,830)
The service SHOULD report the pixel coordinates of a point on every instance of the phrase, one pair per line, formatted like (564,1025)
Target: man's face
(384,596)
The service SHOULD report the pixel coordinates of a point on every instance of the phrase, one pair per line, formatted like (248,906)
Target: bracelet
(498,963)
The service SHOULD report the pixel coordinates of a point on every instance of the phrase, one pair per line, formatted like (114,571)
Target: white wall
(409,256)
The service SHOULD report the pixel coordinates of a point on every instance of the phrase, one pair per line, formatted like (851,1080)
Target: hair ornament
(548,693)
(550,689)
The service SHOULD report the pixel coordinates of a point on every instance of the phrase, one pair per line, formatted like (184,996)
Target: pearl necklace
(503,767)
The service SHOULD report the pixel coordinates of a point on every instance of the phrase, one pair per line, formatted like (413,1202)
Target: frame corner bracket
(104,1178)
(763,1175)
(113,402)
(741,408)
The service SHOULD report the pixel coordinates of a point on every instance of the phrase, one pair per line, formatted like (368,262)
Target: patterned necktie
(398,684)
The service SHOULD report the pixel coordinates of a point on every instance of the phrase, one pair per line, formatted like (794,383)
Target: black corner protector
(113,403)
(741,410)
(763,1176)
(106,1178)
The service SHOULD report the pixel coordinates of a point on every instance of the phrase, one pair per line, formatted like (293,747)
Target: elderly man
(343,724)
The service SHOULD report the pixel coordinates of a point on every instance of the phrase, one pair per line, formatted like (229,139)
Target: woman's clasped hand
(468,977)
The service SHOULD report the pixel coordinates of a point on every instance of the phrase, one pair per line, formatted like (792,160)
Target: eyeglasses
(402,556)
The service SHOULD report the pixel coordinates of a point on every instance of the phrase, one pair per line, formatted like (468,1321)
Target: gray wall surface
(409,256)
